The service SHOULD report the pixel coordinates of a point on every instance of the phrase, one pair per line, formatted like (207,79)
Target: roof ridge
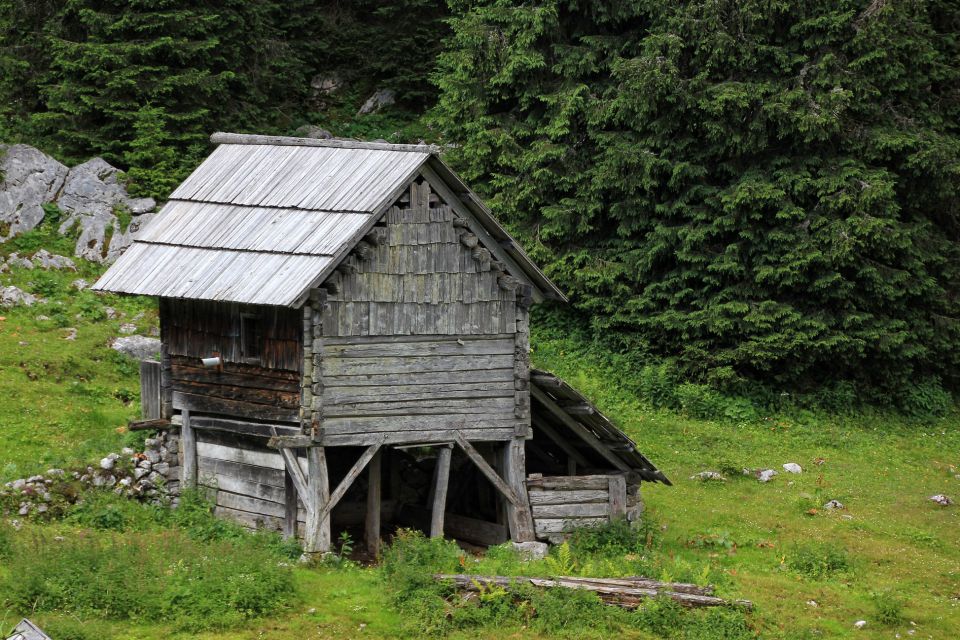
(222,137)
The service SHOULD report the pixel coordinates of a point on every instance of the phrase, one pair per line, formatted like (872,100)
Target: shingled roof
(263,219)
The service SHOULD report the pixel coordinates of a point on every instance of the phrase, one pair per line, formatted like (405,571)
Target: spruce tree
(762,190)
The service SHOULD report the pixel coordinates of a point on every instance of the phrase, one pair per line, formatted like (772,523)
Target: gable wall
(421,335)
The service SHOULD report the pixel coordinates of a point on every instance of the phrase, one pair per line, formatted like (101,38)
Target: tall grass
(136,563)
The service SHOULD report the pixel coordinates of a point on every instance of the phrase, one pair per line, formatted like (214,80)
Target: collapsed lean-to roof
(263,219)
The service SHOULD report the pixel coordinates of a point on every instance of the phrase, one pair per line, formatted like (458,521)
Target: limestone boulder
(29,179)
(137,347)
(91,197)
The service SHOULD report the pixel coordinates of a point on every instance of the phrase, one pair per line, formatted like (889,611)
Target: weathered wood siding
(422,336)
(246,481)
(263,388)
(198,328)
(561,504)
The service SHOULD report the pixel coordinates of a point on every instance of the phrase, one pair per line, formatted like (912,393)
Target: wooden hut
(342,324)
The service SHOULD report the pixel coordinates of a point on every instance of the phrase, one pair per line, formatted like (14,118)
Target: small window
(251,337)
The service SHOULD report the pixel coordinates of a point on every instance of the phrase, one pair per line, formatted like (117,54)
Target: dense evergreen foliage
(143,83)
(762,189)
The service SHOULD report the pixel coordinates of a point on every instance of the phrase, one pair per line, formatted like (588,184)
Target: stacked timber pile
(628,593)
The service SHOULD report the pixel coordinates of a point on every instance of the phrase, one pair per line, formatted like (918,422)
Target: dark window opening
(251,337)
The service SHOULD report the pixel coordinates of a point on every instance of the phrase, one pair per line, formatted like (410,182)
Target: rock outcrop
(29,179)
(136,347)
(92,198)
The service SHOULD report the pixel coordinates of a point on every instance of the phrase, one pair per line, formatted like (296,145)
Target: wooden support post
(373,504)
(289,507)
(514,489)
(441,481)
(618,496)
(520,516)
(150,389)
(188,444)
(317,538)
(348,479)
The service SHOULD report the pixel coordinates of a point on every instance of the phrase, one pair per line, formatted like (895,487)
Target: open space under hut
(345,343)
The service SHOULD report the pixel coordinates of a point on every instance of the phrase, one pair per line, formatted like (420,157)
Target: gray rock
(71,333)
(792,467)
(107,463)
(137,347)
(859,624)
(46,260)
(705,476)
(128,328)
(162,468)
(766,475)
(56,473)
(833,504)
(111,313)
(12,297)
(30,179)
(325,85)
(380,99)
(80,284)
(312,131)
(531,550)
(92,192)
(126,482)
(145,464)
(152,456)
(140,472)
(942,500)
(16,260)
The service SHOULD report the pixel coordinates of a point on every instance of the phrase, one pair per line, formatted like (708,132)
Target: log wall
(246,481)
(562,504)
(422,335)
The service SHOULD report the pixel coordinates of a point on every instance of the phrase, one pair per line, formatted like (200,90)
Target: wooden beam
(561,442)
(150,373)
(317,535)
(374,494)
(290,442)
(149,425)
(188,443)
(578,428)
(441,481)
(289,507)
(464,210)
(348,479)
(221,137)
(292,469)
(520,516)
(487,470)
(618,497)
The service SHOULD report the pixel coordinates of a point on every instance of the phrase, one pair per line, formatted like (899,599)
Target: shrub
(925,400)
(889,608)
(615,538)
(818,561)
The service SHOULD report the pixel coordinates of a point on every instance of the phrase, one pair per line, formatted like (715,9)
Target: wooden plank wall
(561,504)
(423,336)
(246,481)
(265,389)
(240,390)
(149,389)
(422,280)
(198,328)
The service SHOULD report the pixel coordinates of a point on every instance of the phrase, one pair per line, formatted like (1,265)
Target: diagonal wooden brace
(352,475)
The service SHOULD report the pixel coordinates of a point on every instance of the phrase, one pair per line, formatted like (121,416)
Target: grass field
(892,557)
